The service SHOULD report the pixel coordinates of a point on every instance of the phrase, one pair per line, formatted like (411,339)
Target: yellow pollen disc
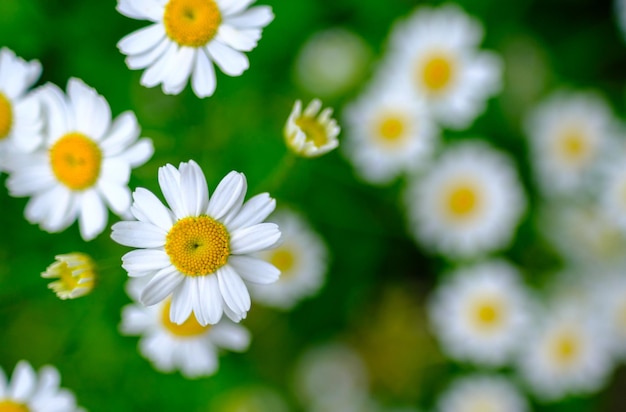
(198,246)
(6,116)
(314,131)
(283,258)
(188,328)
(76,161)
(192,23)
(10,406)
(574,146)
(462,201)
(566,348)
(437,73)
(488,314)
(391,129)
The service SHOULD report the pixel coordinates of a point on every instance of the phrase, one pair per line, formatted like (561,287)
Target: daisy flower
(198,251)
(83,163)
(569,133)
(388,132)
(311,133)
(29,391)
(480,314)
(468,203)
(434,51)
(20,116)
(484,393)
(566,354)
(190,347)
(76,273)
(301,258)
(187,36)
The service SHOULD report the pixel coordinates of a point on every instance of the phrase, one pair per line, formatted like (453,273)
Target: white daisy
(190,347)
(83,164)
(480,314)
(468,203)
(331,62)
(76,274)
(569,133)
(435,52)
(301,258)
(187,37)
(20,115)
(198,250)
(482,393)
(388,132)
(311,133)
(610,309)
(29,391)
(567,353)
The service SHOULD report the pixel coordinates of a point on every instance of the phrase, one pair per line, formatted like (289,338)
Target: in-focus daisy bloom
(569,133)
(187,37)
(83,163)
(30,391)
(301,258)
(435,52)
(198,251)
(76,274)
(20,115)
(468,203)
(311,133)
(566,354)
(480,314)
(388,131)
(482,393)
(189,347)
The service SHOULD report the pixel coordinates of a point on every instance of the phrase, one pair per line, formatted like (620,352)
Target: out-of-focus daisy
(610,304)
(569,132)
(33,391)
(480,314)
(311,133)
(567,353)
(388,131)
(189,347)
(613,190)
(331,62)
(76,273)
(468,203)
(83,164)
(301,258)
(482,393)
(199,250)
(187,37)
(20,115)
(434,51)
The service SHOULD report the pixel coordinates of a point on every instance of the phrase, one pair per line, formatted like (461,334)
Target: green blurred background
(377,278)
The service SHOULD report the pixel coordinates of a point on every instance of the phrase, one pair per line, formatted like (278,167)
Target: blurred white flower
(76,274)
(28,390)
(482,393)
(610,307)
(198,250)
(480,314)
(188,347)
(435,52)
(83,164)
(468,203)
(21,125)
(311,133)
(331,62)
(301,258)
(187,37)
(569,133)
(388,131)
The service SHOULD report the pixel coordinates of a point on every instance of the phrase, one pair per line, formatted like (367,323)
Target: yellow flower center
(391,129)
(188,328)
(437,73)
(192,23)
(198,246)
(488,313)
(76,161)
(315,132)
(574,146)
(6,116)
(284,259)
(462,201)
(8,405)
(566,348)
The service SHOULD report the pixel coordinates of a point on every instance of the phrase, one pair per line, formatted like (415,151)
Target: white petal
(143,260)
(139,153)
(156,73)
(193,185)
(152,208)
(203,77)
(93,215)
(226,195)
(254,211)
(229,7)
(180,310)
(254,238)
(209,300)
(142,40)
(138,234)
(200,359)
(141,61)
(231,337)
(242,40)
(141,9)
(55,106)
(169,181)
(116,196)
(62,209)
(92,113)
(22,381)
(254,270)
(161,286)
(176,81)
(230,61)
(124,130)
(233,290)
(255,17)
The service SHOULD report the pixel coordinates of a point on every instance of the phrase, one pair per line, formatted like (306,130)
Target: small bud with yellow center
(75,273)
(311,133)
